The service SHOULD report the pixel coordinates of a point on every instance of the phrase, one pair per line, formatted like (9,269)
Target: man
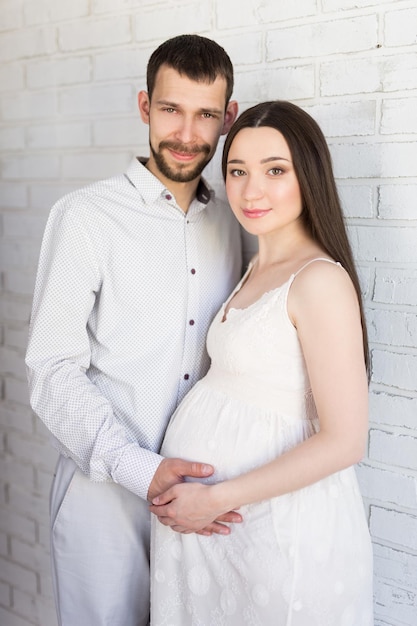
(131,272)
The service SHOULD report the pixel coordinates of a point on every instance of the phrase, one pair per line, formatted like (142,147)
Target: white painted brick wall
(69,73)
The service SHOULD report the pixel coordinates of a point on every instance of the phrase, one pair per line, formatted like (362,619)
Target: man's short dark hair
(198,58)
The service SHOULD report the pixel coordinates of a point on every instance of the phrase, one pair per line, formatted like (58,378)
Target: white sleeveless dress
(302,559)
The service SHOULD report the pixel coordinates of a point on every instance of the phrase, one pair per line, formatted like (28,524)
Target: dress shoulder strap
(313,261)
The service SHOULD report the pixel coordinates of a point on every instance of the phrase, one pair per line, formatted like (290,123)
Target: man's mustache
(184,148)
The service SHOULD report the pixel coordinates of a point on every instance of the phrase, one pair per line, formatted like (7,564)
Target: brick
(395,328)
(11,77)
(12,138)
(119,64)
(396,603)
(196,15)
(387,486)
(394,370)
(363,160)
(27,43)
(343,119)
(11,362)
(43,481)
(234,13)
(10,16)
(14,471)
(29,105)
(40,452)
(31,167)
(93,166)
(291,83)
(322,38)
(399,72)
(13,196)
(45,11)
(21,283)
(387,245)
(356,200)
(11,619)
(396,286)
(396,201)
(115,6)
(398,116)
(19,576)
(392,448)
(394,527)
(15,337)
(79,35)
(17,418)
(44,195)
(5,595)
(400,27)
(75,135)
(350,76)
(15,309)
(395,567)
(249,54)
(92,99)
(27,225)
(16,390)
(120,132)
(342,5)
(28,504)
(33,556)
(54,72)
(4,543)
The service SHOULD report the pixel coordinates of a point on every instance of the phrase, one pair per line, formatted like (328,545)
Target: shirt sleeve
(79,417)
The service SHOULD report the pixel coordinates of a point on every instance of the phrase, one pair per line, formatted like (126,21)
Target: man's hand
(171,472)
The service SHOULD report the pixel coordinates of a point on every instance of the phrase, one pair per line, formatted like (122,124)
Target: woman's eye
(275,171)
(237,173)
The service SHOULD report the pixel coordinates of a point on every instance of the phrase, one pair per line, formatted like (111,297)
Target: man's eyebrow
(176,105)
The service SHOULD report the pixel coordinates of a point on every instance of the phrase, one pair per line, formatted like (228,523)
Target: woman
(282,413)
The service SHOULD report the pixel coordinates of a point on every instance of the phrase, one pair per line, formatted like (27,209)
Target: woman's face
(261,184)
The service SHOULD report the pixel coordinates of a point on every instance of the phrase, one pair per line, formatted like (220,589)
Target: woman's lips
(255,213)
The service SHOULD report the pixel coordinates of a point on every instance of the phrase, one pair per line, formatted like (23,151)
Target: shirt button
(186,376)
(191,322)
(168,197)
(193,271)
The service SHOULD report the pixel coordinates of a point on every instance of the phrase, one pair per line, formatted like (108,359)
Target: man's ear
(144,106)
(232,110)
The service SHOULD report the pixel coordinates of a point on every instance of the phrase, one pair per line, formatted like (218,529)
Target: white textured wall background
(69,73)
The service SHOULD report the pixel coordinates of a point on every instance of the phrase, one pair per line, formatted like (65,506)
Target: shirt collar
(151,188)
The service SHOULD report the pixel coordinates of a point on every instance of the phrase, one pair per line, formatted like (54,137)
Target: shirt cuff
(136,468)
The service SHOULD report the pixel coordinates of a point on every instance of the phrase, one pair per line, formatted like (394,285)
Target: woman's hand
(192,507)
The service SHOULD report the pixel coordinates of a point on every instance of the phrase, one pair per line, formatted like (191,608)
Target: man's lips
(255,213)
(184,156)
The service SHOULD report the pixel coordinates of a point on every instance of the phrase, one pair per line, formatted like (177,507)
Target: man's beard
(180,174)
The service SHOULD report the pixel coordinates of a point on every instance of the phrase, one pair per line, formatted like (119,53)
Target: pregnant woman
(282,413)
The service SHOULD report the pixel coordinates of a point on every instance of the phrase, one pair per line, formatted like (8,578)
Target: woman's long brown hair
(322,212)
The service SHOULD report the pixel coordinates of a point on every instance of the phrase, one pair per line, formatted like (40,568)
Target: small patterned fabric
(126,289)
(301,559)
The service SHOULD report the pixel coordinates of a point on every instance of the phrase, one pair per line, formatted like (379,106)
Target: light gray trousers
(100,535)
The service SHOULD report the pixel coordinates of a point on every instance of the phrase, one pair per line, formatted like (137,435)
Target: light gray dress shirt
(126,289)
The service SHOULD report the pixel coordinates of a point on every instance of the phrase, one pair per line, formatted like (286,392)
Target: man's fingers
(197,470)
(230,517)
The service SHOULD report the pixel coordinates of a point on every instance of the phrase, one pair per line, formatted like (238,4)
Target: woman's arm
(323,306)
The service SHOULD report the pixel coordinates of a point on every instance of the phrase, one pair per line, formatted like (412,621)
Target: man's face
(186,119)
